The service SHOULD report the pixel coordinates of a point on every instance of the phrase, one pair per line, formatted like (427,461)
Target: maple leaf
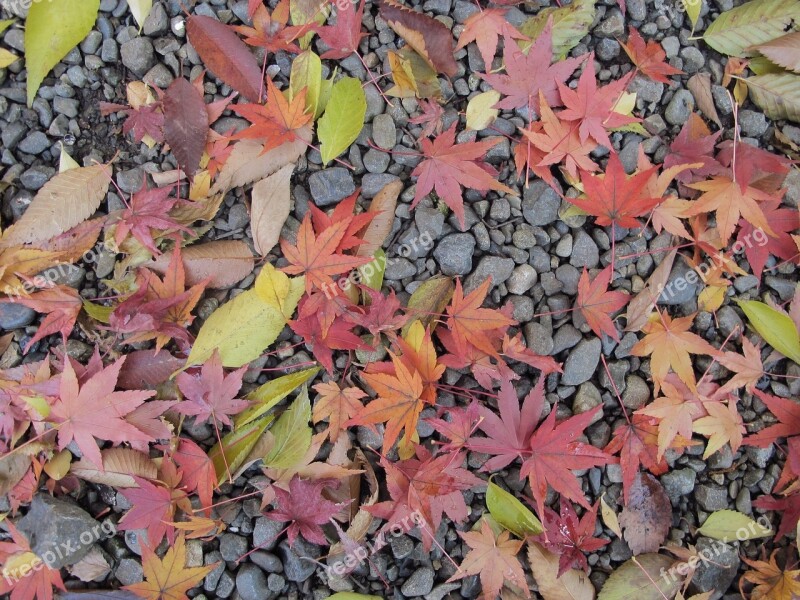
(276,121)
(458,428)
(557,142)
(530,75)
(383,315)
(782,221)
(305,508)
(427,486)
(317,255)
(211,395)
(153,508)
(148,210)
(723,425)
(597,304)
(748,367)
(344,37)
(448,166)
(494,559)
(593,106)
(570,537)
(196,470)
(510,432)
(419,354)
(725,196)
(694,145)
(787,411)
(485,28)
(25,575)
(614,197)
(752,166)
(649,59)
(398,404)
(145,120)
(62,305)
(94,410)
(344,213)
(669,342)
(772,582)
(788,505)
(431,118)
(168,578)
(472,325)
(269,31)
(337,405)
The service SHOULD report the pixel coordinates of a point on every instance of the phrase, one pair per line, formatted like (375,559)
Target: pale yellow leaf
(271,204)
(480,110)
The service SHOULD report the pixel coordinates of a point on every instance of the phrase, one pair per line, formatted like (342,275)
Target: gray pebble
(138,55)
(250,582)
(295,566)
(523,278)
(35,143)
(384,131)
(419,583)
(129,571)
(678,483)
(753,123)
(14,316)
(540,204)
(581,362)
(454,254)
(496,267)
(331,186)
(679,108)
(711,497)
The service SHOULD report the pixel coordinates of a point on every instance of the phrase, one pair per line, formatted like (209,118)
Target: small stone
(693,59)
(399,268)
(671,45)
(753,123)
(330,186)
(454,254)
(68,107)
(613,26)
(729,322)
(678,483)
(131,180)
(540,204)
(721,459)
(587,398)
(419,584)
(238,217)
(523,278)
(36,143)
(376,161)
(717,574)
(295,566)
(607,49)
(267,561)
(232,546)
(637,392)
(682,285)
(646,89)
(584,251)
(711,497)
(384,132)
(581,362)
(157,21)
(129,571)
(679,108)
(538,338)
(138,55)
(265,533)
(760,457)
(496,267)
(35,177)
(250,582)
(109,52)
(14,316)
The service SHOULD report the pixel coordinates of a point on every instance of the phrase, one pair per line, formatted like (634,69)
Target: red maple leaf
(788,505)
(649,59)
(431,118)
(615,197)
(694,145)
(344,37)
(148,210)
(485,28)
(597,304)
(344,213)
(148,119)
(754,166)
(528,75)
(593,106)
(448,166)
(787,411)
(211,395)
(459,427)
(305,508)
(94,410)
(759,246)
(153,509)
(269,31)
(196,470)
(62,305)
(570,537)
(25,575)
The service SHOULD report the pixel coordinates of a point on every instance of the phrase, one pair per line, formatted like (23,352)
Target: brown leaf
(185,124)
(699,85)
(145,369)
(247,164)
(271,204)
(226,262)
(429,300)
(65,201)
(642,305)
(225,55)
(647,517)
(384,204)
(572,585)
(120,466)
(783,51)
(92,567)
(430,38)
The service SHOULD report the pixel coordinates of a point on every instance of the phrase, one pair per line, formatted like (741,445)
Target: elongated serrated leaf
(98,312)
(510,512)
(307,11)
(272,392)
(692,8)
(5,24)
(640,579)
(307,73)
(730,525)
(52,29)
(223,262)
(119,467)
(775,327)
(270,207)
(383,205)
(240,329)
(783,51)
(185,124)
(343,119)
(65,201)
(7,58)
(140,9)
(570,24)
(228,456)
(292,434)
(750,24)
(778,95)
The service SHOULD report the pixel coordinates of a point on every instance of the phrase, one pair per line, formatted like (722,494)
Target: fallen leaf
(271,204)
(647,515)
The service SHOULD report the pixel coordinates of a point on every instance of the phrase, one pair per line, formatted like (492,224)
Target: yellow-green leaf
(66,162)
(306,73)
(236,447)
(292,434)
(429,300)
(98,312)
(306,11)
(272,392)
(52,29)
(570,24)
(480,110)
(640,579)
(242,328)
(751,24)
(510,512)
(692,8)
(7,58)
(5,24)
(775,327)
(343,119)
(372,273)
(140,9)
(731,525)
(279,291)
(777,94)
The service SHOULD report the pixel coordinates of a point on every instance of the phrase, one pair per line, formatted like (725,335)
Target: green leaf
(429,300)
(306,73)
(761,65)
(778,95)
(343,119)
(98,312)
(732,525)
(244,327)
(292,434)
(510,512)
(7,58)
(236,447)
(5,24)
(750,24)
(272,392)
(52,29)
(140,9)
(775,327)
(570,24)
(306,11)
(372,272)
(692,8)
(640,579)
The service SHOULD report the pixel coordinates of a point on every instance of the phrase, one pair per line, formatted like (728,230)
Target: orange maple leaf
(772,582)
(747,366)
(470,324)
(597,304)
(723,425)
(337,405)
(649,59)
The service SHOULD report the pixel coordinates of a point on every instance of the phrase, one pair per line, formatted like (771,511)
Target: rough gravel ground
(534,257)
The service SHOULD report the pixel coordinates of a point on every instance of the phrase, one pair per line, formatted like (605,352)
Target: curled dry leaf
(271,204)
(120,466)
(648,515)
(225,262)
(384,204)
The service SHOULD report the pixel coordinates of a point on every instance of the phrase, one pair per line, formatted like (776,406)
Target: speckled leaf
(647,516)
(751,24)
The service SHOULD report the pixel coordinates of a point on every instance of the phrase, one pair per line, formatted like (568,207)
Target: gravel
(330,186)
(581,362)
(454,254)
